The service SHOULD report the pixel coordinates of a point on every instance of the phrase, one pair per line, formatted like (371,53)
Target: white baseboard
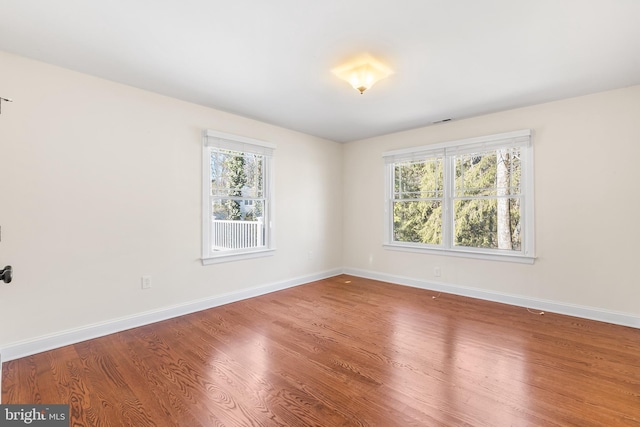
(76,335)
(592,313)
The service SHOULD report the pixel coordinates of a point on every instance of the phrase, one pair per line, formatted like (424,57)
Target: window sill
(218,259)
(517,258)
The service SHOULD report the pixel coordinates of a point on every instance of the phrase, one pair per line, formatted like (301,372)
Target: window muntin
(463,197)
(237,217)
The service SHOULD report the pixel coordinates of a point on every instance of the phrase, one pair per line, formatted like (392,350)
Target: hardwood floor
(345,351)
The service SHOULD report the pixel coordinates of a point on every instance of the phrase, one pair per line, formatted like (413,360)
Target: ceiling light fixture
(362,72)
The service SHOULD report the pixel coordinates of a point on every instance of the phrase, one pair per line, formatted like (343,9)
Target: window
(472,198)
(237,198)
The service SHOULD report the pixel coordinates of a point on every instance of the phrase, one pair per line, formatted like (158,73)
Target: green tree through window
(237,214)
(463,196)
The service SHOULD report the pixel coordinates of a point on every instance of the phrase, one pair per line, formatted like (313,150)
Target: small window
(237,214)
(466,198)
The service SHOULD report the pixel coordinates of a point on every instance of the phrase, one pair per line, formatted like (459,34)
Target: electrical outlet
(437,272)
(146,282)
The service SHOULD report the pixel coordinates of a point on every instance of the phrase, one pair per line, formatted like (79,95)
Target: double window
(472,197)
(237,199)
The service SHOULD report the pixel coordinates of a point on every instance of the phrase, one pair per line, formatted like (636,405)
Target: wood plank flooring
(345,351)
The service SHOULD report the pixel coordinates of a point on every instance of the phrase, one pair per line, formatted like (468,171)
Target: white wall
(100,183)
(587,183)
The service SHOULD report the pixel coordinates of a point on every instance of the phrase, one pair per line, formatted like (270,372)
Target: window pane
(418,180)
(237,174)
(418,222)
(488,223)
(488,173)
(237,224)
(238,209)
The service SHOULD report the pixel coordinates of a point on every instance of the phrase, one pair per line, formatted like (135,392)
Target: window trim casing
(211,138)
(521,138)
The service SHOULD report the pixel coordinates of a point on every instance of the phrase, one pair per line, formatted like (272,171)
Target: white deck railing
(227,234)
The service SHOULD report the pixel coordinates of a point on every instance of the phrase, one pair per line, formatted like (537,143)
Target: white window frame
(521,139)
(221,140)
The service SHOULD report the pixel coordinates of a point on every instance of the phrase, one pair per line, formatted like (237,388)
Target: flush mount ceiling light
(362,72)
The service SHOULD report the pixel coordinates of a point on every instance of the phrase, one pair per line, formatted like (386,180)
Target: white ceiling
(272,60)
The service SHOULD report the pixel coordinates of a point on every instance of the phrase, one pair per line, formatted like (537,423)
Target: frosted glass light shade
(362,72)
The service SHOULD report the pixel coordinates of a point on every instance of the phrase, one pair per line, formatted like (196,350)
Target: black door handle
(6,274)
